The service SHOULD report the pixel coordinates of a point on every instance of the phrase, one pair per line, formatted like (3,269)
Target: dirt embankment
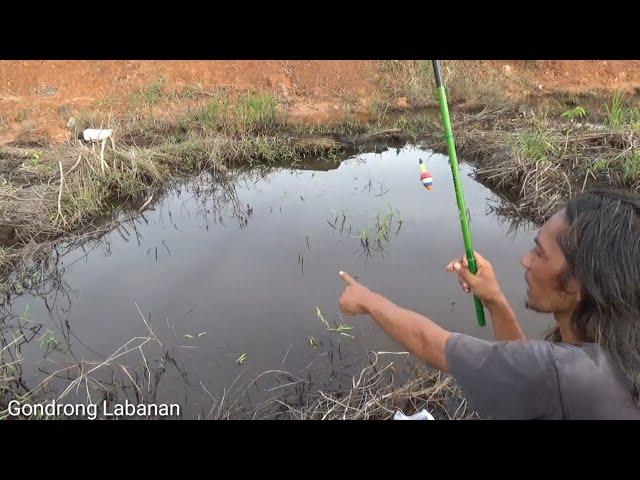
(39,97)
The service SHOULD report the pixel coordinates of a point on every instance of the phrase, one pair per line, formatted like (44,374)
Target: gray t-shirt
(539,380)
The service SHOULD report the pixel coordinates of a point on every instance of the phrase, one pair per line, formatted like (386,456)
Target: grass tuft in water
(339,328)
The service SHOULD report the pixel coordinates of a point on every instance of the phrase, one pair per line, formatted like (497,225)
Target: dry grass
(374,395)
(66,189)
(132,372)
(538,162)
(466,82)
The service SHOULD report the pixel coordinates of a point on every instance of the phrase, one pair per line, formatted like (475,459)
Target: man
(584,269)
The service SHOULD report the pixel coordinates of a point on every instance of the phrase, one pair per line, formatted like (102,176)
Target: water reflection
(214,271)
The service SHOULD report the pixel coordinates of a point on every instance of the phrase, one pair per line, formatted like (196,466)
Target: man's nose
(524,261)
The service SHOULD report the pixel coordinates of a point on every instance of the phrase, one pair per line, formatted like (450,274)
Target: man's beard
(531,307)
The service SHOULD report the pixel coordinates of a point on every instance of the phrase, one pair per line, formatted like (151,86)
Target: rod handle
(473,268)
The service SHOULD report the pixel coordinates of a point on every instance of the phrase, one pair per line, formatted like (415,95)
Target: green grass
(615,113)
(535,146)
(349,126)
(257,111)
(48,341)
(148,95)
(270,150)
(345,127)
(578,112)
(340,329)
(208,115)
(631,167)
(375,237)
(188,92)
(241,359)
(599,165)
(313,341)
(620,114)
(417,125)
(379,109)
(249,113)
(383,227)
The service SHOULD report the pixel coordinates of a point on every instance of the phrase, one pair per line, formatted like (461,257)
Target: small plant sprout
(25,315)
(241,359)
(578,112)
(48,341)
(338,328)
(193,337)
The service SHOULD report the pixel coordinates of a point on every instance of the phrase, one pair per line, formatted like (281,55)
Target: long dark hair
(602,249)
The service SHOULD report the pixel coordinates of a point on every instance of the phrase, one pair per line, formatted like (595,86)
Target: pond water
(232,278)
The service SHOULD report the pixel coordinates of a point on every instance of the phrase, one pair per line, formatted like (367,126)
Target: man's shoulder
(583,366)
(591,383)
(581,361)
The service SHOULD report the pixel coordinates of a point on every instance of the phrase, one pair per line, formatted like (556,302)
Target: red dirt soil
(41,94)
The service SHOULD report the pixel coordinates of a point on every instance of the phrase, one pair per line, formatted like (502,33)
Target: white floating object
(421,415)
(95,134)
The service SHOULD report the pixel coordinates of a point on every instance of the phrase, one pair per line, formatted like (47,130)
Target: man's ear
(574,287)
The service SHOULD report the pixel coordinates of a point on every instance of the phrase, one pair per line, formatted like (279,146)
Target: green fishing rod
(457,183)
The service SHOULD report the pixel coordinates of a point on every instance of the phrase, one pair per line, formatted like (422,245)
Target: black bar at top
(436,71)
